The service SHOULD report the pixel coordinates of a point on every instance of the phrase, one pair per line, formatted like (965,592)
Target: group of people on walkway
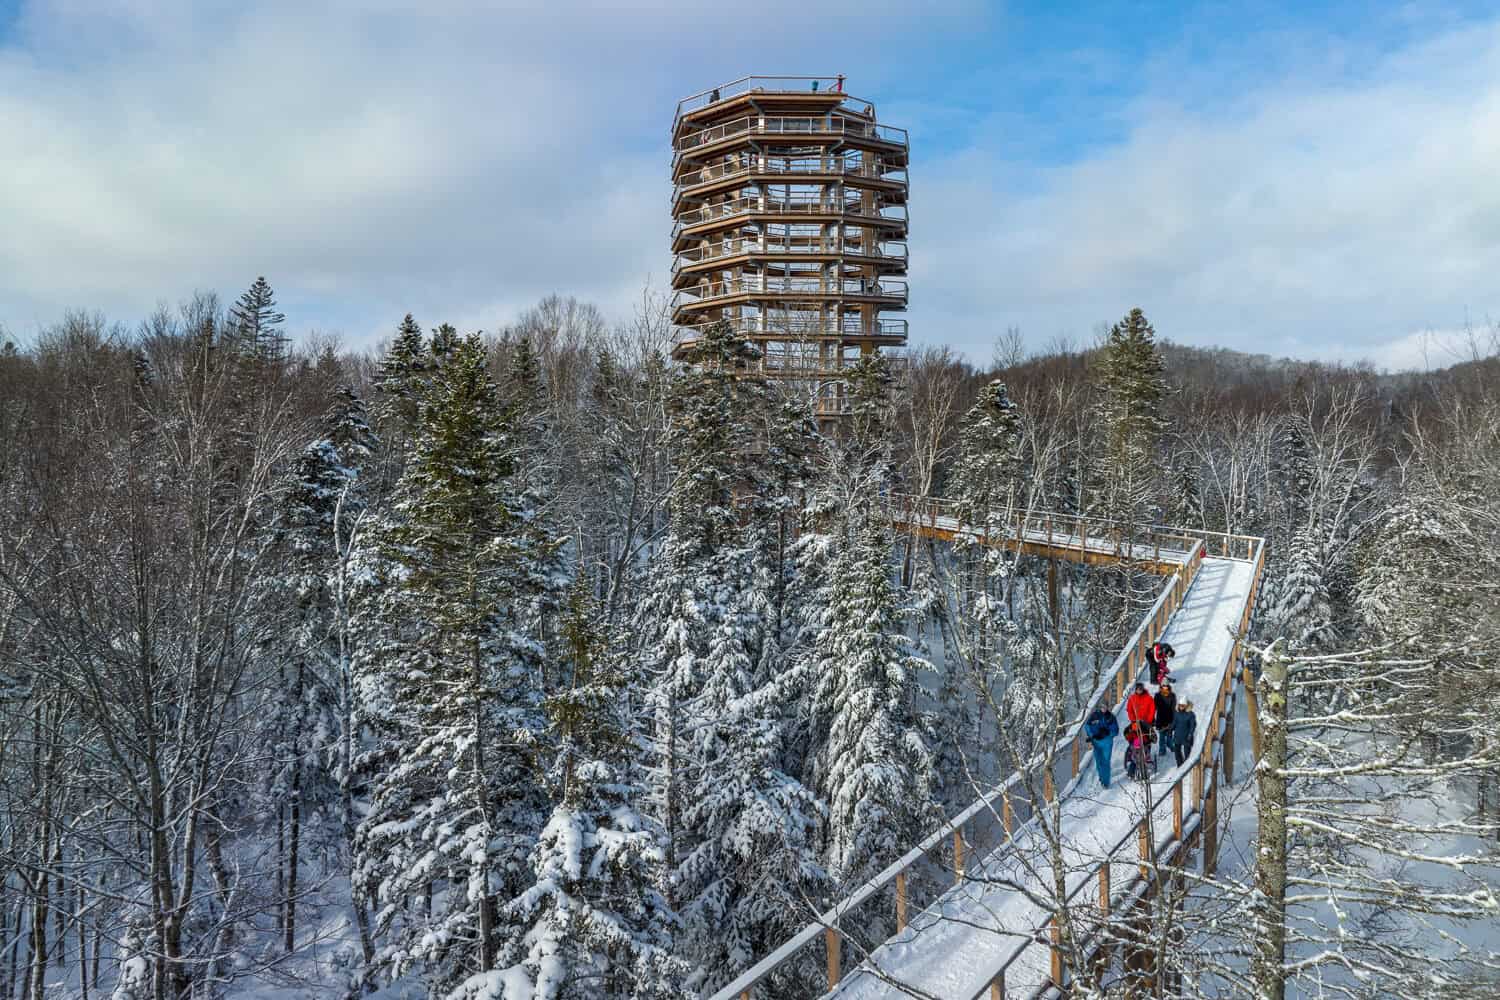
(1152,719)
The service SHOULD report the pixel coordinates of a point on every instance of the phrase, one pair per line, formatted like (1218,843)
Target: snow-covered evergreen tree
(1129,377)
(592,923)
(1184,507)
(1298,604)
(874,768)
(1132,385)
(986,481)
(739,829)
(310,714)
(451,687)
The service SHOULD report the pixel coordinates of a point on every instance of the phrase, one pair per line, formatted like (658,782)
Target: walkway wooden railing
(1010,800)
(1075,537)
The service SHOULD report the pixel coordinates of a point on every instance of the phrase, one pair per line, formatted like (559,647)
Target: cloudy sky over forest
(1309,180)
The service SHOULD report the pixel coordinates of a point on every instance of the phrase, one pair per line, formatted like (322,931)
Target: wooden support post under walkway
(1229,746)
(1252,707)
(835,955)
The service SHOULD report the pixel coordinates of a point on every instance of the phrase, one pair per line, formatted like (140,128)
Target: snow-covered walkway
(954,948)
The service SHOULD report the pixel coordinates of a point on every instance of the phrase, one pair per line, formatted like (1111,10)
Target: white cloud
(1315,219)
(374,159)
(368,159)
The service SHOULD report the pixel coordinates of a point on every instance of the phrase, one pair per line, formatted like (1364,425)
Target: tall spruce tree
(255,322)
(988,476)
(1132,385)
(874,768)
(455,813)
(738,827)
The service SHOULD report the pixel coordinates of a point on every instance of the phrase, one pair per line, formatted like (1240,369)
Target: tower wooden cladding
(790,219)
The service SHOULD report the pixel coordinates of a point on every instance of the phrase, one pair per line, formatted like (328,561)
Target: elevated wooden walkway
(990,934)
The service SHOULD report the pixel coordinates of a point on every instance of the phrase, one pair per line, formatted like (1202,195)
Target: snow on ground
(954,948)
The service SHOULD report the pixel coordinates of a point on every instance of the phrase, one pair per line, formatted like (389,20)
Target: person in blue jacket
(1101,730)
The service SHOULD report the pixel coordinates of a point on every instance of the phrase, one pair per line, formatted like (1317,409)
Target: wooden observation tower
(789,210)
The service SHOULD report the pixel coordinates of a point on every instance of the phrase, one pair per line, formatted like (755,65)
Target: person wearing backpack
(1101,730)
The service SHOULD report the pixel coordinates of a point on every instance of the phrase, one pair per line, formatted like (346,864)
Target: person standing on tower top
(838,84)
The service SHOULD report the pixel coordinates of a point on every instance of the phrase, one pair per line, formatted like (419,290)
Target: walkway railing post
(1102,956)
(1177,810)
(834,943)
(1057,962)
(900,902)
(1211,828)
(958,856)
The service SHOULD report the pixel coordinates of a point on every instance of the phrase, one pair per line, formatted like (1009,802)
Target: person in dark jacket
(1101,730)
(1166,709)
(1184,728)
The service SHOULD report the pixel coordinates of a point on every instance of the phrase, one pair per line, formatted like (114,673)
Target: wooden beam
(834,941)
(1252,708)
(1211,830)
(1056,956)
(1228,760)
(900,902)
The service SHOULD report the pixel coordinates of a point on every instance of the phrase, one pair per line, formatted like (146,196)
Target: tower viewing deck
(789,211)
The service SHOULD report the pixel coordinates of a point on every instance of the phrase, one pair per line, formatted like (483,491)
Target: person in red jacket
(1141,707)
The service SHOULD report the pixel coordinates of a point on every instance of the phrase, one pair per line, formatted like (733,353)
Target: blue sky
(1311,180)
